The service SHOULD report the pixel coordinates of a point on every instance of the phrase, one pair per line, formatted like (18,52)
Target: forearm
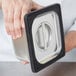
(70,41)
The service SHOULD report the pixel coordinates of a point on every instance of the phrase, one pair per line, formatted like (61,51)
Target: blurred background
(10,66)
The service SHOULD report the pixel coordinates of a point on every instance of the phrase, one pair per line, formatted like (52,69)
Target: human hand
(14,11)
(70,41)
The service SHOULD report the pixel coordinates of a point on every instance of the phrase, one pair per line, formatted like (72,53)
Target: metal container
(43,40)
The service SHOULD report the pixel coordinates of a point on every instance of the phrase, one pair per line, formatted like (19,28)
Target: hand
(14,11)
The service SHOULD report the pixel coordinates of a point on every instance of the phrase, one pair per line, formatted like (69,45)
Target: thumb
(36,6)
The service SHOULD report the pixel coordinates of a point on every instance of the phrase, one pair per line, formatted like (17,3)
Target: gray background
(56,69)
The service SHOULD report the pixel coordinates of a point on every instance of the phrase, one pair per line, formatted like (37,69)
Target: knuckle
(16,15)
(17,28)
(25,8)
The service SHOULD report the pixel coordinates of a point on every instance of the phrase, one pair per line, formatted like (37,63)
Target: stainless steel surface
(46,36)
(43,35)
(17,69)
(21,48)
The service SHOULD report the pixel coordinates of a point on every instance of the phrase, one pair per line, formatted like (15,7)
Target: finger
(24,12)
(25,62)
(7,29)
(36,6)
(10,22)
(17,22)
(5,15)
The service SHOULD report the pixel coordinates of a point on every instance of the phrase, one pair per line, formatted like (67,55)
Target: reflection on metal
(43,35)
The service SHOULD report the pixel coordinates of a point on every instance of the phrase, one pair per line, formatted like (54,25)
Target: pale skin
(14,11)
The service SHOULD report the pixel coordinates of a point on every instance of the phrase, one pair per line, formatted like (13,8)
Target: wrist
(70,41)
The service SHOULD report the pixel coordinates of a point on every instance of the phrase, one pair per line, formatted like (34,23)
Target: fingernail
(14,37)
(18,36)
(24,62)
